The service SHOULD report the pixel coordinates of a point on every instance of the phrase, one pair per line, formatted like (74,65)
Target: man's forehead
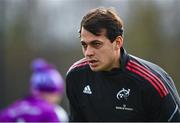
(87,36)
(101,32)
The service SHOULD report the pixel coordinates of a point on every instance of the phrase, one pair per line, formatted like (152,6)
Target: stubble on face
(101,58)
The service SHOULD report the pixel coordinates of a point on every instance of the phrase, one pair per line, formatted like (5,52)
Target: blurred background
(49,29)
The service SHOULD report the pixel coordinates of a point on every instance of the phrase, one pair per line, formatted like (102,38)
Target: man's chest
(118,97)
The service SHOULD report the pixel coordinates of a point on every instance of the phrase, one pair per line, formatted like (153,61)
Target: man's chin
(95,69)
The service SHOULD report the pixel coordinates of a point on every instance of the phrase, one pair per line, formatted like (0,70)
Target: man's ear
(119,42)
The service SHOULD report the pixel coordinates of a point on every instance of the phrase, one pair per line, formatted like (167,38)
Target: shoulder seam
(80,63)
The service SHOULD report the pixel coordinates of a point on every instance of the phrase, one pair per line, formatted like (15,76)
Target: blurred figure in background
(41,105)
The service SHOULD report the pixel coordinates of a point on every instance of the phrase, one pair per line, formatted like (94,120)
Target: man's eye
(84,45)
(97,45)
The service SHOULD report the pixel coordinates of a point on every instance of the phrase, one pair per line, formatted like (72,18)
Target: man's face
(99,51)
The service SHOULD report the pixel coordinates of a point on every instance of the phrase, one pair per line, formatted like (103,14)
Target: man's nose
(89,51)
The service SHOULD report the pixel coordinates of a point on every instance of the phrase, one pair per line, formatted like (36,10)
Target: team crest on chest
(123,94)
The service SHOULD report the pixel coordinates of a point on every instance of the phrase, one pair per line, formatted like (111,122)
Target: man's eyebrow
(96,41)
(90,41)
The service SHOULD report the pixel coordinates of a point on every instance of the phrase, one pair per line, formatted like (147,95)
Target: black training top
(137,91)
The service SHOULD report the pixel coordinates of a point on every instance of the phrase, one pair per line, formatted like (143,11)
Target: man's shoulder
(150,66)
(149,73)
(78,65)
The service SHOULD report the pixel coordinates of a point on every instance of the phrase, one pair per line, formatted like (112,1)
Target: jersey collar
(123,59)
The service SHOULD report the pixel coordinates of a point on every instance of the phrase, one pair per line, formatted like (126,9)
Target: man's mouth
(93,63)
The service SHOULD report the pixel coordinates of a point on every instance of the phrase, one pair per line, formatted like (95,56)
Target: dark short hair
(96,20)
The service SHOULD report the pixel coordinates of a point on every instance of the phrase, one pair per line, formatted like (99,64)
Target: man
(111,85)
(41,105)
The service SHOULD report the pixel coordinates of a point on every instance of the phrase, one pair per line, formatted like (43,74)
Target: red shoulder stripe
(153,75)
(164,90)
(148,75)
(79,63)
(135,71)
